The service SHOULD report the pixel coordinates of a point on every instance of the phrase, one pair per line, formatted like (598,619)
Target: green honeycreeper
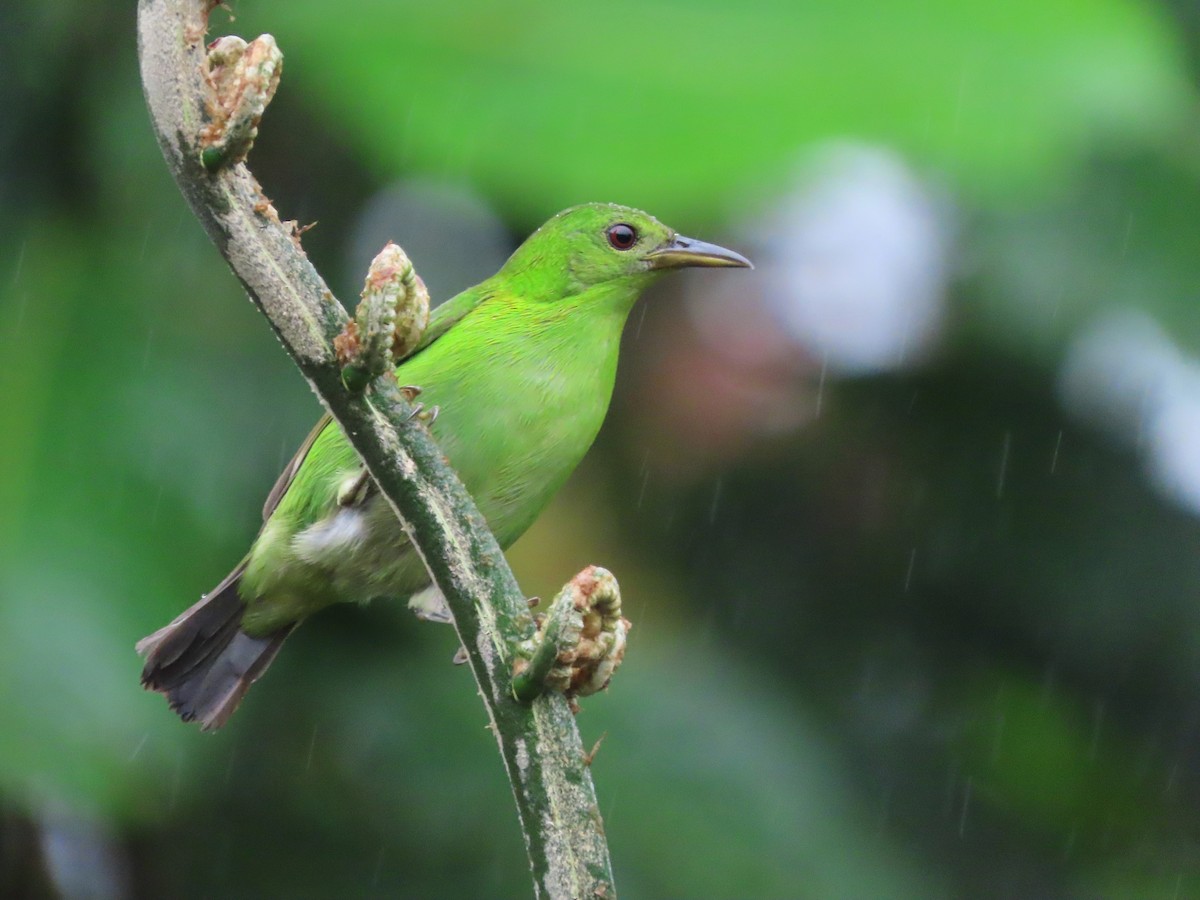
(522,369)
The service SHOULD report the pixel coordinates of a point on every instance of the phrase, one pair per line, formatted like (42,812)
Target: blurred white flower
(854,260)
(1123,373)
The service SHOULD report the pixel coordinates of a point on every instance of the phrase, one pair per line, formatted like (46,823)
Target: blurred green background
(906,519)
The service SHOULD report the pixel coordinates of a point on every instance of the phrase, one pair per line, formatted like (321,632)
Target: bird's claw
(428,416)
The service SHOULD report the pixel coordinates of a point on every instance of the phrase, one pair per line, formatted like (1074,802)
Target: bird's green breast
(522,390)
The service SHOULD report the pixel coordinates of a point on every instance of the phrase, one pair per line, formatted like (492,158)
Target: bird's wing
(284,481)
(440,321)
(448,314)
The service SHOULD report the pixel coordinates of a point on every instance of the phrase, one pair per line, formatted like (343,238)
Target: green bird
(522,368)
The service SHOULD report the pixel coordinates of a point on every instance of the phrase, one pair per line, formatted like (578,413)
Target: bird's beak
(685,251)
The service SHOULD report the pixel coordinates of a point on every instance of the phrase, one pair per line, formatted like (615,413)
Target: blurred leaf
(545,104)
(1038,754)
(1121,237)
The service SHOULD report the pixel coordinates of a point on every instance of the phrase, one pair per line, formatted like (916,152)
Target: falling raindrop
(1097,721)
(959,101)
(821,386)
(1003,464)
(1057,305)
(885,808)
(146,352)
(138,748)
(1172,779)
(966,802)
(645,479)
(312,745)
(641,320)
(377,874)
(158,495)
(716,499)
(1069,843)
(1128,234)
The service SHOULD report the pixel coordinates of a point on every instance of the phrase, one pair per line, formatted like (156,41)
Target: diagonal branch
(539,742)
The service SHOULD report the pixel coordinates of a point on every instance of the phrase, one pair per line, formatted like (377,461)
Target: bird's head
(602,243)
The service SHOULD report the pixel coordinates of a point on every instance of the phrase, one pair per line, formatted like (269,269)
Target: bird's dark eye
(622,236)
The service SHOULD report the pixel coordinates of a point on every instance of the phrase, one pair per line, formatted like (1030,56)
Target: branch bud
(243,78)
(389,321)
(579,644)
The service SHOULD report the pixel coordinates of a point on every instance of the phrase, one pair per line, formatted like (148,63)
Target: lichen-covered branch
(205,126)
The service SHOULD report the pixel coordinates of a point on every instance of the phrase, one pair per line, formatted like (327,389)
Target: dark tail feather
(203,662)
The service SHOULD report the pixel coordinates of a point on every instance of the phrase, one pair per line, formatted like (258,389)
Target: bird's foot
(411,392)
(428,416)
(429,605)
(579,643)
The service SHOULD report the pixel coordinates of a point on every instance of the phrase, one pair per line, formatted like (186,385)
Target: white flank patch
(332,537)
